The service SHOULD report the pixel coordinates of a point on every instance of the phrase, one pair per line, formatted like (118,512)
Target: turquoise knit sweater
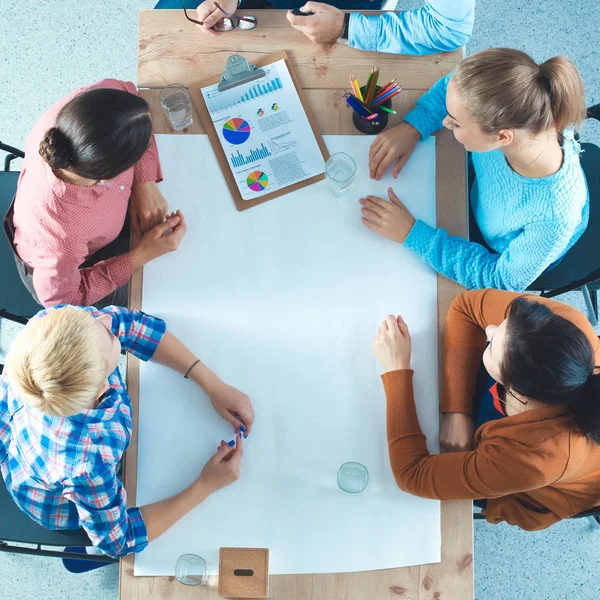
(529,223)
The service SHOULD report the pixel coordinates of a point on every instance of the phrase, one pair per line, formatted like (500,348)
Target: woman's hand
(392,344)
(147,206)
(234,406)
(161,239)
(389,219)
(395,144)
(210,15)
(223,468)
(456,433)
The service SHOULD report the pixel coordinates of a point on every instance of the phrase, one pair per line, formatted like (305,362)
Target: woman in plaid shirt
(65,422)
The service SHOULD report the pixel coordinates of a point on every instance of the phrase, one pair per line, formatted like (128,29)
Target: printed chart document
(283,302)
(264,132)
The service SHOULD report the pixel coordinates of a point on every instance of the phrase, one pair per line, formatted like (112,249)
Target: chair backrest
(16,526)
(14,296)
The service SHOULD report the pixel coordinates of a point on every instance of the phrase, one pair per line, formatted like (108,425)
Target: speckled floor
(48,49)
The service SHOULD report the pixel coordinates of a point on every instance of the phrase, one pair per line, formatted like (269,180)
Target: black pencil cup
(376,125)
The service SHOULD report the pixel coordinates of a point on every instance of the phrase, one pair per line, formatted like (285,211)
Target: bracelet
(188,371)
(344,34)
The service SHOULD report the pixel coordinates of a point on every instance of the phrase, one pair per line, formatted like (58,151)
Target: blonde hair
(507,89)
(55,362)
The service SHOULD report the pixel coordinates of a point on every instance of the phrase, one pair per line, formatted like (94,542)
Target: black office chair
(17,527)
(16,303)
(580,268)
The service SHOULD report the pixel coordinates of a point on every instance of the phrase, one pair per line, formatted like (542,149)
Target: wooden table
(172,50)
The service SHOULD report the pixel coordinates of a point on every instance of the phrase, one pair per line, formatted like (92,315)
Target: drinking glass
(191,570)
(353,478)
(175,99)
(340,171)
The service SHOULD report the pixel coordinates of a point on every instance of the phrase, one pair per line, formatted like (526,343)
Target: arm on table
(147,338)
(116,530)
(475,267)
(487,473)
(440,26)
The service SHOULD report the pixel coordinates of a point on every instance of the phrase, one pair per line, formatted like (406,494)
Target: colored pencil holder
(369,127)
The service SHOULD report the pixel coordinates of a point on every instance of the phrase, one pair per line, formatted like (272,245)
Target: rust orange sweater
(535,468)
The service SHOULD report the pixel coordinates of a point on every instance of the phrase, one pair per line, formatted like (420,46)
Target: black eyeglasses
(229,22)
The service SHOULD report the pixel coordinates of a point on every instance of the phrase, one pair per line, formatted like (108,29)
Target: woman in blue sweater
(529,197)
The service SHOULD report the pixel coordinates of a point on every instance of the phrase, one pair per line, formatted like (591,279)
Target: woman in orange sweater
(535,455)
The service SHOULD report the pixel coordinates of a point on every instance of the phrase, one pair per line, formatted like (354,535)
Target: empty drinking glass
(191,570)
(353,478)
(340,170)
(175,99)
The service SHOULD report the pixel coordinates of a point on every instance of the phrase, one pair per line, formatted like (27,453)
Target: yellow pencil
(356,88)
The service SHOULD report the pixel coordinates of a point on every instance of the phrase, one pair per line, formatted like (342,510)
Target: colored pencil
(355,87)
(373,85)
(385,97)
(352,101)
(368,86)
(386,91)
(388,110)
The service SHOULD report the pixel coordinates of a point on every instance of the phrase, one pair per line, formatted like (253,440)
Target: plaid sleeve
(138,332)
(101,505)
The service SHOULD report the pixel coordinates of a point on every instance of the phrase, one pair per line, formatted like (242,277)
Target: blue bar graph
(239,160)
(261,89)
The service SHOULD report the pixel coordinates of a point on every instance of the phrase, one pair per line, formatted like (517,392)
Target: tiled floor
(48,49)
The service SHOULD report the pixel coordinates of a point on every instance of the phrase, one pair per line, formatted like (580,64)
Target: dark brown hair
(98,134)
(548,358)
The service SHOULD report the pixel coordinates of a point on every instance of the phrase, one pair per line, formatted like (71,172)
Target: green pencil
(388,110)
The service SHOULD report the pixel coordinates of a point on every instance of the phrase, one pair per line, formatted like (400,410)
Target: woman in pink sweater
(90,163)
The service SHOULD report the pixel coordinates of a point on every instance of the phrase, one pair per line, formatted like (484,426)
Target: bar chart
(217,101)
(261,89)
(239,159)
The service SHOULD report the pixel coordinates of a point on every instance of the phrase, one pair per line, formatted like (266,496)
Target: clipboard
(238,72)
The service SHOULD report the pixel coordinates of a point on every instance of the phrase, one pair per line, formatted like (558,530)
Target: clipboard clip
(237,72)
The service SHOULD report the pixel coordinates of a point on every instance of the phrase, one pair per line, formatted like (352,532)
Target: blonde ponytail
(507,89)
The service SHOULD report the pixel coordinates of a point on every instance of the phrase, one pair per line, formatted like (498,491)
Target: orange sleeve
(488,472)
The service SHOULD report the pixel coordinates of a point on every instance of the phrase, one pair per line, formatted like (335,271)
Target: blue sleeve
(440,26)
(101,504)
(138,332)
(429,113)
(474,267)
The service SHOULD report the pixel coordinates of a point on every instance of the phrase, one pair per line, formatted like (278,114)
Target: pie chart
(236,131)
(257,181)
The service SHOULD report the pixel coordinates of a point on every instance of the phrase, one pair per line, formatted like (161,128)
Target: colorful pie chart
(236,131)
(257,181)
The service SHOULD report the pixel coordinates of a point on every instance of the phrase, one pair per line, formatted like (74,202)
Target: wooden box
(244,572)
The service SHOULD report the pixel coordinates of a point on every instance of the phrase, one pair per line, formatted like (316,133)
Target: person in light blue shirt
(529,198)
(439,26)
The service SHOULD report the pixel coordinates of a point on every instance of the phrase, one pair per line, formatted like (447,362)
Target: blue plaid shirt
(62,472)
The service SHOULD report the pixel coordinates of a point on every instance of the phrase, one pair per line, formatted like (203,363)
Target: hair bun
(56,149)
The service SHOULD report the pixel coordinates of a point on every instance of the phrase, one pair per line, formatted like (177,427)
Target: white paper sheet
(283,301)
(265,132)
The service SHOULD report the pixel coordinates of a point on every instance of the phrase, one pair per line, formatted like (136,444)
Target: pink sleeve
(57,278)
(148,167)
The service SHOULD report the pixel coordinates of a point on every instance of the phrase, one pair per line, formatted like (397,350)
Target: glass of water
(175,99)
(353,478)
(340,171)
(191,570)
